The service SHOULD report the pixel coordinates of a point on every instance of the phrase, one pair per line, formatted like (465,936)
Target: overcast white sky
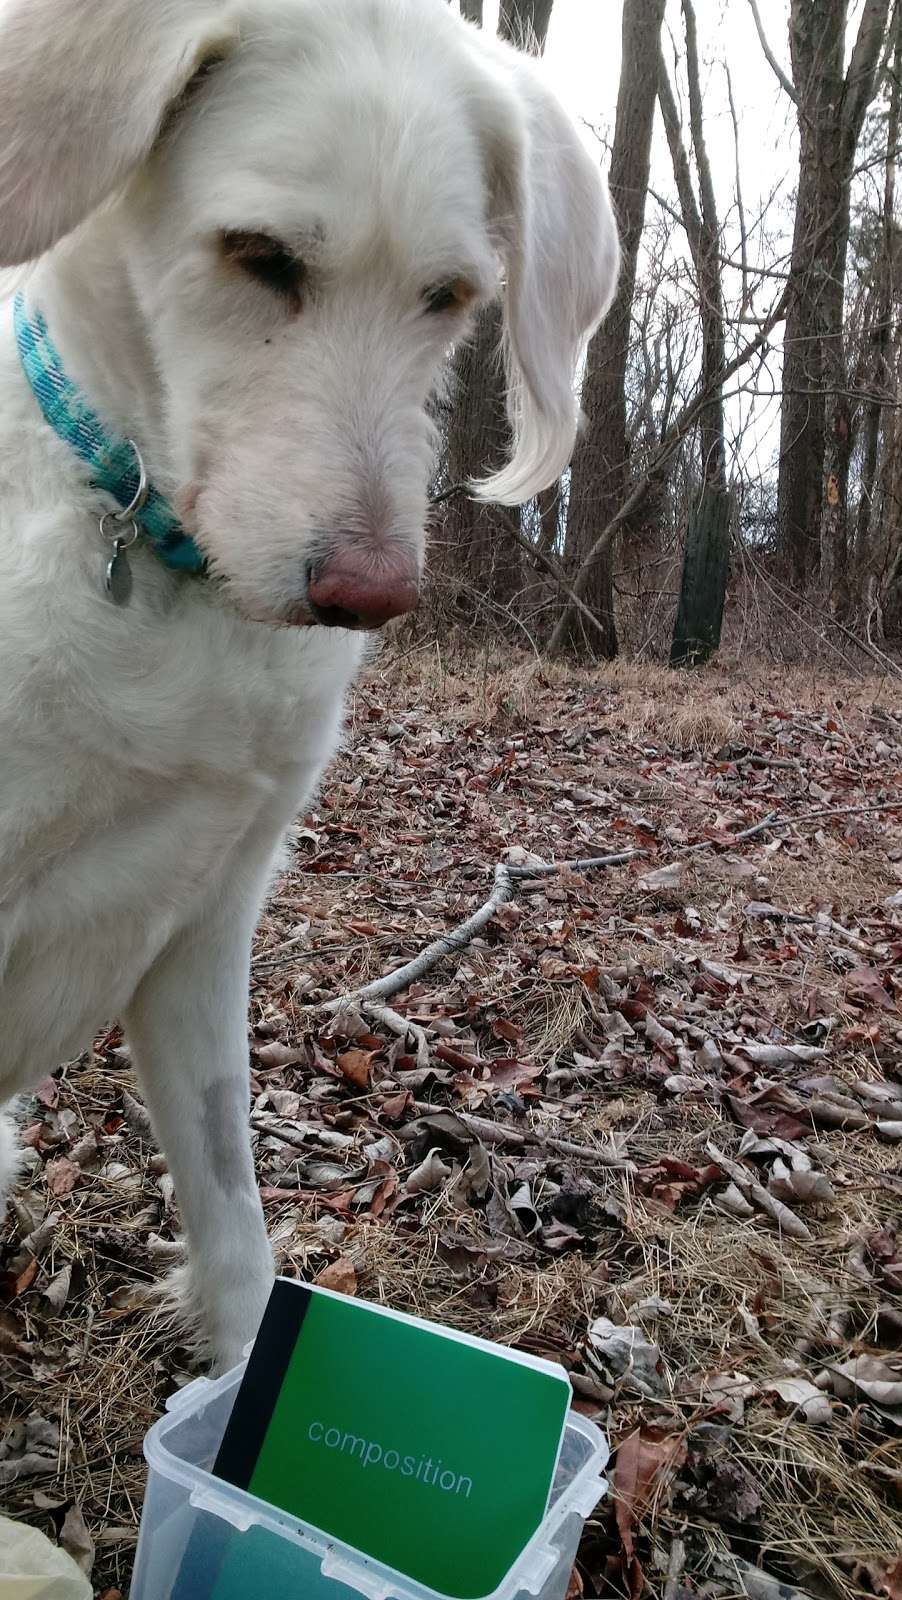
(583,57)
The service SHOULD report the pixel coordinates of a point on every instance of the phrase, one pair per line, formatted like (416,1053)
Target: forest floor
(655,1133)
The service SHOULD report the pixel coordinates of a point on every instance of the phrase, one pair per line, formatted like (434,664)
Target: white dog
(256,231)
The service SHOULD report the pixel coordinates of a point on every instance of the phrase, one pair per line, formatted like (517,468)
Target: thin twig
(770,58)
(675,1565)
(840,811)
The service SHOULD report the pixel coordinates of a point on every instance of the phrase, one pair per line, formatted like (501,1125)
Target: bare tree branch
(668,446)
(740,206)
(859,85)
(770,58)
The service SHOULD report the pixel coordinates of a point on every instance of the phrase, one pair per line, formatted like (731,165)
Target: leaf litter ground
(651,1126)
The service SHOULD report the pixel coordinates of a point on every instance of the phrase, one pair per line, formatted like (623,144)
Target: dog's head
(312,198)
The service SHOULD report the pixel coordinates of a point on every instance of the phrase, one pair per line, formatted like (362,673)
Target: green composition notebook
(427,1450)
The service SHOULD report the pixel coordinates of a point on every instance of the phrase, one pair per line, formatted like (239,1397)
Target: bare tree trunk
(600,474)
(696,633)
(815,440)
(477,552)
(881,332)
(816,44)
(707,553)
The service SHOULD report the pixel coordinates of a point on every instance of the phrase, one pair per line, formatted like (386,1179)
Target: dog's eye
(268,262)
(442,297)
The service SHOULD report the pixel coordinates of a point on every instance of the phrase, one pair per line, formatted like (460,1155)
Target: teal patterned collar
(110,457)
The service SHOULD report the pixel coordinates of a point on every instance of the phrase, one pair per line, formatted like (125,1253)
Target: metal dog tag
(118,581)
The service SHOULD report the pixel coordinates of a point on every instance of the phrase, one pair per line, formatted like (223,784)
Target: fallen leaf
(878,1378)
(730,1391)
(866,984)
(644,1462)
(763,908)
(278,1055)
(28,1449)
(284,1102)
(357,1066)
(626,1358)
(76,1540)
(340,1275)
(733,1201)
(395,1105)
(48,1093)
(889,1581)
(803,1396)
(62,1175)
(57,1290)
(668,877)
(431,1173)
(85,1150)
(793,1184)
(781,1055)
(717,1483)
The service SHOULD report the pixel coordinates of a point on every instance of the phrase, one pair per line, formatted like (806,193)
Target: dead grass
(741,1299)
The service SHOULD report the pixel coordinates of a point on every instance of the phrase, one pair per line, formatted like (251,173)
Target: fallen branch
(772,820)
(449,944)
(507,876)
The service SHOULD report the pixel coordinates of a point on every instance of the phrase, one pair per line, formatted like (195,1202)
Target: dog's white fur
(152,756)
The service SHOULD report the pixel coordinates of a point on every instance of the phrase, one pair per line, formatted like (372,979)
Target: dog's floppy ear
(559,243)
(85,86)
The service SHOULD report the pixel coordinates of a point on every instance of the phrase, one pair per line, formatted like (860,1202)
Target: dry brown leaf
(804,1395)
(76,1540)
(798,1183)
(644,1462)
(278,1055)
(26,1277)
(62,1175)
(878,1378)
(668,877)
(356,1066)
(429,1175)
(284,1102)
(781,1055)
(340,1275)
(57,1290)
(626,1357)
(889,1581)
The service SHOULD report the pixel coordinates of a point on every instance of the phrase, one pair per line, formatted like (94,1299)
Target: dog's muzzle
(342,593)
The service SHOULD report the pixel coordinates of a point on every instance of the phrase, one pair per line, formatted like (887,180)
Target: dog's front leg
(187,1026)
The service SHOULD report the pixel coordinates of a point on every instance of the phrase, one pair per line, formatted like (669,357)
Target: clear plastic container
(189,1518)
